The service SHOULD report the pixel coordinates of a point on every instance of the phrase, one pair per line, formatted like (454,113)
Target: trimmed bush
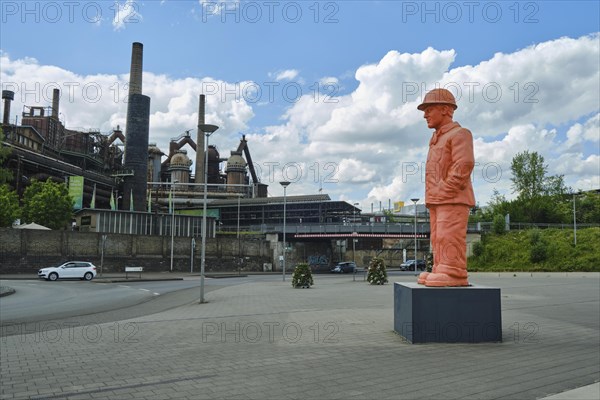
(429,262)
(302,277)
(377,274)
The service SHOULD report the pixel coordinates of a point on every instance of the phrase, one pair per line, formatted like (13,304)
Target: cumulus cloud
(126,13)
(288,74)
(368,145)
(99,102)
(512,102)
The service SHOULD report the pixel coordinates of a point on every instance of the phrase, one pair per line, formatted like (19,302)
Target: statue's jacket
(450,163)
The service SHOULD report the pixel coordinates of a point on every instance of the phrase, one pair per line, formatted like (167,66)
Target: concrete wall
(28,250)
(25,251)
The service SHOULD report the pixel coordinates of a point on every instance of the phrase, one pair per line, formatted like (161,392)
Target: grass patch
(548,250)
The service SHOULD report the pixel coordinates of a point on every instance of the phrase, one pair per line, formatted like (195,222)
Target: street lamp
(415,202)
(172,220)
(574,223)
(238,232)
(285,184)
(353,238)
(208,130)
(238,215)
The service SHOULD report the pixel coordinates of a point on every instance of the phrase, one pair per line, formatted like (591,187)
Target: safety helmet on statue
(438,96)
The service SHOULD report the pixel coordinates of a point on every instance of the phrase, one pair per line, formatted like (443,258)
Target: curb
(121,280)
(6,291)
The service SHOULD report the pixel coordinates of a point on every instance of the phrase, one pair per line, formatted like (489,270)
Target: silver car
(71,269)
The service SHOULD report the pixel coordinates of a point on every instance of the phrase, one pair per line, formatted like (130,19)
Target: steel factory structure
(141,180)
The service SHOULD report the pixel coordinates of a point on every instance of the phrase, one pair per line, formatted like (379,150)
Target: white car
(70,269)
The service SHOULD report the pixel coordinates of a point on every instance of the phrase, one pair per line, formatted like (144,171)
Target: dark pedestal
(468,314)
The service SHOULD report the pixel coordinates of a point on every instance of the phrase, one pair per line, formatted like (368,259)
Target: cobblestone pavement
(266,340)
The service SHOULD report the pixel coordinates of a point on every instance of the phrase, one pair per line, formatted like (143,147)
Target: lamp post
(354,240)
(285,184)
(239,243)
(172,220)
(238,216)
(574,222)
(415,203)
(208,130)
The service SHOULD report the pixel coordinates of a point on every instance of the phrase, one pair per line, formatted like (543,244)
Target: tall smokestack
(55,102)
(200,143)
(136,136)
(7,96)
(137,65)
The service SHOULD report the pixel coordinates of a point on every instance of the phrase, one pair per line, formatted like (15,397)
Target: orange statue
(448,190)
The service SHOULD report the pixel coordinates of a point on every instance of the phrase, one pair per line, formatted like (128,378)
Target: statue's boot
(446,275)
(423,275)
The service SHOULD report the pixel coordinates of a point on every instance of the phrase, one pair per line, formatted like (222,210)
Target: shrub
(478,249)
(499,225)
(302,276)
(538,252)
(535,236)
(377,274)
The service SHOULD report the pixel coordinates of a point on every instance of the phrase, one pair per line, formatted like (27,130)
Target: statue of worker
(448,190)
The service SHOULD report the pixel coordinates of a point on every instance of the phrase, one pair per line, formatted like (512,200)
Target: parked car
(70,269)
(409,265)
(344,267)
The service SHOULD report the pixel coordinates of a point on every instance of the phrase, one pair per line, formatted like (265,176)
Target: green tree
(5,174)
(47,203)
(587,208)
(9,206)
(540,197)
(528,174)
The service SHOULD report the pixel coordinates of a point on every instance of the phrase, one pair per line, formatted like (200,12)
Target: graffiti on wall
(318,260)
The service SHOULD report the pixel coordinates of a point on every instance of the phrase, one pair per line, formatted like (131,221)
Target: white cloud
(329,80)
(288,74)
(126,13)
(578,134)
(370,144)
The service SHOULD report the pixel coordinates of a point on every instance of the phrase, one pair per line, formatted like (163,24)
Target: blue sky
(267,65)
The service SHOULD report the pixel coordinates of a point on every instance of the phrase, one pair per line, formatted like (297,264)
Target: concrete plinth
(468,314)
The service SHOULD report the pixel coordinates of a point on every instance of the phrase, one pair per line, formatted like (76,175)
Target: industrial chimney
(7,96)
(55,102)
(200,143)
(136,136)
(137,65)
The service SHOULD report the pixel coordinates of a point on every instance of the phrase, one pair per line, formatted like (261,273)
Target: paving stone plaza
(266,340)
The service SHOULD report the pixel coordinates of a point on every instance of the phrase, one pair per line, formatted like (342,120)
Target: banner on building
(76,191)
